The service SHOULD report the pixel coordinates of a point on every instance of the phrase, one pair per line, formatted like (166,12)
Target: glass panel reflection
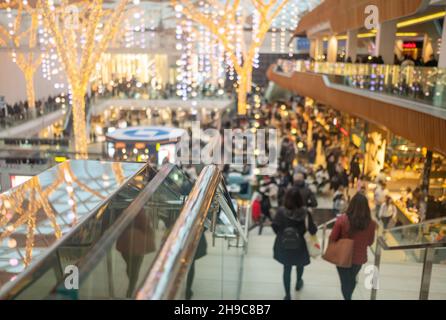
(71,205)
(422,84)
(119,264)
(433,231)
(216,270)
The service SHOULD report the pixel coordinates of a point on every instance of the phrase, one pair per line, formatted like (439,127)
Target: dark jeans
(263,220)
(133,263)
(287,277)
(348,280)
(385,221)
(190,280)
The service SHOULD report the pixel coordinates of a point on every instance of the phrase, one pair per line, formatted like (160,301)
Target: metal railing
(324,227)
(39,267)
(173,261)
(12,120)
(429,247)
(381,244)
(426,85)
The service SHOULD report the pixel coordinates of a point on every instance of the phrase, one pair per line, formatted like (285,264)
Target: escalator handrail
(325,224)
(176,255)
(233,217)
(9,290)
(96,253)
(67,117)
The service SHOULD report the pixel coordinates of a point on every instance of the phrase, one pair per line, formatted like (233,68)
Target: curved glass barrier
(52,220)
(422,84)
(203,257)
(22,117)
(432,233)
(155,237)
(117,265)
(414,249)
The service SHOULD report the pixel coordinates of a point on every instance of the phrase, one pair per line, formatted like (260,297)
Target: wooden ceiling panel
(344,15)
(424,129)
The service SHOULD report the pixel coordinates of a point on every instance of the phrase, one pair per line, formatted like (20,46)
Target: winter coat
(138,239)
(308,196)
(284,219)
(256,210)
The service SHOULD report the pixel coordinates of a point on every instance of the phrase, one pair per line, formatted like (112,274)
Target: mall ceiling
(161,15)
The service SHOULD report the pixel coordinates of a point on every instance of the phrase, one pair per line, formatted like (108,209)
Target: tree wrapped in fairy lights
(20,35)
(226,22)
(82,31)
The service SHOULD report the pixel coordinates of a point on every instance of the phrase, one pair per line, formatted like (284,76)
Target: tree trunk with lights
(224,20)
(79,50)
(244,88)
(27,62)
(79,124)
(28,66)
(30,93)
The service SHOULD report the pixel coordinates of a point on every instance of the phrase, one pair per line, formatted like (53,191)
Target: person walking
(356,224)
(339,201)
(308,196)
(380,196)
(387,212)
(284,181)
(256,209)
(290,224)
(355,169)
(287,153)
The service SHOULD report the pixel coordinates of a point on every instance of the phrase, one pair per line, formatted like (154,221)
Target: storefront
(142,144)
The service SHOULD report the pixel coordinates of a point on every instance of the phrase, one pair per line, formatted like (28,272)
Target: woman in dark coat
(136,241)
(292,218)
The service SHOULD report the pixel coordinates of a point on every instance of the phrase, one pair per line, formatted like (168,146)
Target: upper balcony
(339,16)
(408,101)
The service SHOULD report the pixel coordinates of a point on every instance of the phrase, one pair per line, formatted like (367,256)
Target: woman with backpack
(357,225)
(290,224)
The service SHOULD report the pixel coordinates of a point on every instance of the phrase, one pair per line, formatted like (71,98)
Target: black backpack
(291,239)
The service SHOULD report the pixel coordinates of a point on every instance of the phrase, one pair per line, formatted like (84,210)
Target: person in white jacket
(387,212)
(381,193)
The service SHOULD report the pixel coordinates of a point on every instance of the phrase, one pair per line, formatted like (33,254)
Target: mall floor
(399,280)
(217,276)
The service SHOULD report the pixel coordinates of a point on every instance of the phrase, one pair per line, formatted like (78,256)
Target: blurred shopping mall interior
(204,149)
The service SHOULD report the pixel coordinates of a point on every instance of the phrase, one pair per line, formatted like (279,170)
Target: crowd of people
(312,161)
(10,113)
(404,60)
(134,89)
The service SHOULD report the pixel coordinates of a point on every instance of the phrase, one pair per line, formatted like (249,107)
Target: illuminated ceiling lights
(373,34)
(222,19)
(201,58)
(13,36)
(419,20)
(80,42)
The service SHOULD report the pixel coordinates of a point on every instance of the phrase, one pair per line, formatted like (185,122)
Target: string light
(17,30)
(79,50)
(221,21)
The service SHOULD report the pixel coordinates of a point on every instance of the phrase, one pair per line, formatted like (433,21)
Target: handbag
(340,253)
(312,241)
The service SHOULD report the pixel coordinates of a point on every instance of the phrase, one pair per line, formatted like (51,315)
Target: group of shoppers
(131,88)
(294,219)
(289,198)
(21,110)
